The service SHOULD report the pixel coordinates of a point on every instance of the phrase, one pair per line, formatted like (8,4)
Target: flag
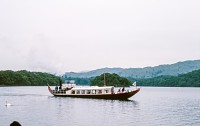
(134,84)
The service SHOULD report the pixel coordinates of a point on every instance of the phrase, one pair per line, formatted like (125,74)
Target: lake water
(152,106)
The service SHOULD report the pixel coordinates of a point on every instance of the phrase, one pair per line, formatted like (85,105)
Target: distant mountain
(147,72)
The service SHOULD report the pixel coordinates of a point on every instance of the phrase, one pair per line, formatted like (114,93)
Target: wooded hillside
(191,79)
(26,78)
(111,80)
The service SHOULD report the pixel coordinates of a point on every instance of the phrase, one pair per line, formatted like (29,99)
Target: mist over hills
(146,72)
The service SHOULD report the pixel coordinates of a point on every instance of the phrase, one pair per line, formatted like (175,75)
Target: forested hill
(147,72)
(110,80)
(191,79)
(26,78)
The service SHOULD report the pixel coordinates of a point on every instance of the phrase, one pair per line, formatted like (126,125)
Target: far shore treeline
(191,79)
(26,78)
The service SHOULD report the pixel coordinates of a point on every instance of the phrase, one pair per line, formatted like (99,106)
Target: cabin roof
(91,88)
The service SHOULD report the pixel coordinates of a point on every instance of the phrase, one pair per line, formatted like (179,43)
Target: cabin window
(93,91)
(78,92)
(73,92)
(82,91)
(99,91)
(88,91)
(106,91)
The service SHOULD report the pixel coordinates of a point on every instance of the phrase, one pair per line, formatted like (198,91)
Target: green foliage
(111,80)
(191,79)
(26,78)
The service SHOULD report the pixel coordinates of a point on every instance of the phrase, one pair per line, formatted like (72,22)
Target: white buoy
(8,104)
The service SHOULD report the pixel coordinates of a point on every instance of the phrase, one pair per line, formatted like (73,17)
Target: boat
(105,92)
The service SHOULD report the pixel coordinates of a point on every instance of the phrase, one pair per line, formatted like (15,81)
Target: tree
(111,80)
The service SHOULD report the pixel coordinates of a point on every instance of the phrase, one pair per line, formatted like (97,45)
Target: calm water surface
(152,106)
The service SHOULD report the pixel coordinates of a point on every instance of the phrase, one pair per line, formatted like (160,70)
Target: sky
(60,36)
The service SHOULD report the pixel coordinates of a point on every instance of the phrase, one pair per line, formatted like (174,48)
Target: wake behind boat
(106,92)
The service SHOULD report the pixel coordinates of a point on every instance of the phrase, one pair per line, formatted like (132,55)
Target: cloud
(58,36)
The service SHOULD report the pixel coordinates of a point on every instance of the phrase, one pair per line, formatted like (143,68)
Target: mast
(60,82)
(104,80)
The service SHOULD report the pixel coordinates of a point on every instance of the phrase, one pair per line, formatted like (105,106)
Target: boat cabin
(92,90)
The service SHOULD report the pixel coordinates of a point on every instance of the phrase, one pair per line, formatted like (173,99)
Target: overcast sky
(59,36)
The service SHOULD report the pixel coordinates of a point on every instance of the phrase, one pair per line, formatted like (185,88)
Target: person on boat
(56,88)
(123,89)
(60,81)
(112,90)
(119,90)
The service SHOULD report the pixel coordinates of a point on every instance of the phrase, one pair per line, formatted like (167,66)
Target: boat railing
(68,85)
(59,91)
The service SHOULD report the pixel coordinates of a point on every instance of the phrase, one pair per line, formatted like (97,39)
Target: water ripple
(150,107)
